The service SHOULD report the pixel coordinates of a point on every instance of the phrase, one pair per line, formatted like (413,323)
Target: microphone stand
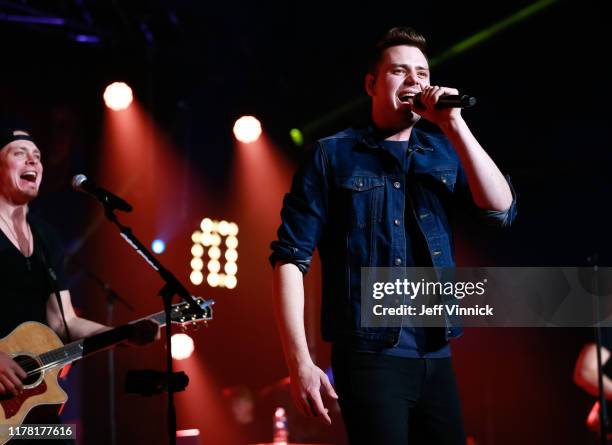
(111,296)
(171,287)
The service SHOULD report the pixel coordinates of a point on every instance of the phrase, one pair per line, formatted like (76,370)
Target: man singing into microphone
(383,197)
(27,251)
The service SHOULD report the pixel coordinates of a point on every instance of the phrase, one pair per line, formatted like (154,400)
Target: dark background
(542,113)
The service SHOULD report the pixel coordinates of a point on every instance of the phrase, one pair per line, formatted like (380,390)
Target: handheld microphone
(82,184)
(449,101)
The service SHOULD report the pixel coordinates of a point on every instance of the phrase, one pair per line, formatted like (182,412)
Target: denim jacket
(348,199)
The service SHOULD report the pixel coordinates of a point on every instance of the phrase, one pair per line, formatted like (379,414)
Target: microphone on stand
(82,184)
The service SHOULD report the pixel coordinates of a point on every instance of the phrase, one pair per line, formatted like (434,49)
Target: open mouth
(406,98)
(29,176)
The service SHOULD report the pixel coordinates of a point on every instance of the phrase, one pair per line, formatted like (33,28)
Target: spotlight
(158,246)
(247,129)
(118,96)
(182,346)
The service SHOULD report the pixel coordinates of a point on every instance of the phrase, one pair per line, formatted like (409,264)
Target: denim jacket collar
(372,138)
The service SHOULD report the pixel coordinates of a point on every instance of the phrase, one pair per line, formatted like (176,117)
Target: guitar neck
(104,340)
(82,348)
(158,317)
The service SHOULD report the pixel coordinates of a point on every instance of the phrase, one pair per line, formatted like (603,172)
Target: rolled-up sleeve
(304,212)
(497,218)
(501,218)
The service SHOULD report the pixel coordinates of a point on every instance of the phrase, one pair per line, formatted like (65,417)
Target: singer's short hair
(401,35)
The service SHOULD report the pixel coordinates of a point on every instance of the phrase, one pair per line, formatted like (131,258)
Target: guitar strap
(51,276)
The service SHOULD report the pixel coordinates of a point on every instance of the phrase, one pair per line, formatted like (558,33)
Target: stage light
(218,242)
(230,268)
(213,279)
(182,346)
(196,277)
(197,264)
(223,228)
(207,225)
(118,96)
(214,266)
(158,246)
(230,281)
(296,136)
(221,280)
(247,129)
(231,242)
(197,250)
(214,253)
(196,236)
(232,229)
(215,240)
(231,255)
(206,239)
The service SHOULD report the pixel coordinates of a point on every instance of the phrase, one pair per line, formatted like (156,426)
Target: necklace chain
(13,233)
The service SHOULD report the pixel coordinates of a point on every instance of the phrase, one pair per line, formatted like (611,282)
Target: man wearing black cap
(28,252)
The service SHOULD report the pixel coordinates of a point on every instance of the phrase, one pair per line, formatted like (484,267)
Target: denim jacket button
(398,261)
(396,184)
(396,222)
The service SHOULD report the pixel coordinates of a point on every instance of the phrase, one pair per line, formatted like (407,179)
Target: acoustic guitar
(41,354)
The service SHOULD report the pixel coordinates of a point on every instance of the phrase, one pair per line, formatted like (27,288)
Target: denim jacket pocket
(365,195)
(440,178)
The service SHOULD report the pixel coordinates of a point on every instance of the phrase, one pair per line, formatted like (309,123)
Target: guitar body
(30,339)
(41,353)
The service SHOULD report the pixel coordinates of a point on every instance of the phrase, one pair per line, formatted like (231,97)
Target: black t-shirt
(24,290)
(24,283)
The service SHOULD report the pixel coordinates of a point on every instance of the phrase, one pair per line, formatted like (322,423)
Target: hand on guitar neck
(145,332)
(140,333)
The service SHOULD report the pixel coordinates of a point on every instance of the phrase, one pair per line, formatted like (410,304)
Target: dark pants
(397,401)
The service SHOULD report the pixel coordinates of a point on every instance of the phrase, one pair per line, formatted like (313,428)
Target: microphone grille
(77,180)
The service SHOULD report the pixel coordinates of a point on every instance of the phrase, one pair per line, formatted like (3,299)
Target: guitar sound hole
(30,366)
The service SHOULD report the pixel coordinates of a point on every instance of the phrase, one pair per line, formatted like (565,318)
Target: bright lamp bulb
(247,129)
(182,346)
(118,96)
